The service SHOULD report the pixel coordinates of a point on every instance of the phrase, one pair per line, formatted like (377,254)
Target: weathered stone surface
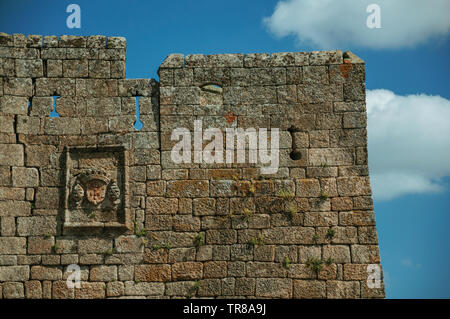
(7,123)
(373,292)
(17,86)
(33,289)
(215,269)
(152,273)
(144,288)
(209,287)
(25,177)
(308,188)
(103,273)
(187,271)
(29,68)
(91,290)
(353,186)
(14,273)
(40,245)
(8,260)
(11,154)
(36,225)
(367,235)
(7,193)
(159,205)
(61,291)
(125,244)
(338,253)
(186,223)
(13,290)
(273,288)
(265,269)
(12,245)
(200,230)
(126,272)
(335,156)
(188,189)
(180,288)
(94,245)
(7,226)
(365,254)
(47,198)
(343,289)
(309,289)
(45,273)
(115,289)
(289,235)
(62,126)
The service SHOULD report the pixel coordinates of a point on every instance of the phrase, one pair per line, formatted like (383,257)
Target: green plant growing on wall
(315,238)
(47,236)
(314,264)
(193,290)
(252,187)
(199,240)
(286,262)
(285,194)
(139,232)
(92,215)
(247,213)
(111,251)
(253,241)
(292,211)
(323,165)
(167,246)
(156,247)
(260,239)
(329,261)
(330,233)
(323,196)
(55,248)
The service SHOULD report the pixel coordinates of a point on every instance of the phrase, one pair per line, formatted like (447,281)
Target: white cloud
(331,24)
(407,262)
(409,143)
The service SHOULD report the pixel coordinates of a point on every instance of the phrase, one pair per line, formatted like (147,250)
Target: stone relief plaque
(96,188)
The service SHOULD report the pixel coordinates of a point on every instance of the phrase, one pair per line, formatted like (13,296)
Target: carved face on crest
(96,191)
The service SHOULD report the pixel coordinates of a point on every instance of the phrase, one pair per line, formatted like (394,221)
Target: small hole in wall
(138,123)
(53,113)
(295,155)
(212,88)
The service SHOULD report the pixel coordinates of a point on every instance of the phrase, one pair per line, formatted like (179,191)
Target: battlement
(209,225)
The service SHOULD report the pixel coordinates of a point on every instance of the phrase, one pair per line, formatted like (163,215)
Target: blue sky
(407,67)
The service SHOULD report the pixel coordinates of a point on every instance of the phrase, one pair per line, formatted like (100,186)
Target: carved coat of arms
(96,189)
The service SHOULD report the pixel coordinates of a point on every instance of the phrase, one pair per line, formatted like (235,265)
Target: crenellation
(81,182)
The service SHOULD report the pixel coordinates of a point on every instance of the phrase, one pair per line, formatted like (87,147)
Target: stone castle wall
(169,230)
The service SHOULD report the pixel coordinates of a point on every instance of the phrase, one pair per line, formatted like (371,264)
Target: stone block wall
(171,230)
